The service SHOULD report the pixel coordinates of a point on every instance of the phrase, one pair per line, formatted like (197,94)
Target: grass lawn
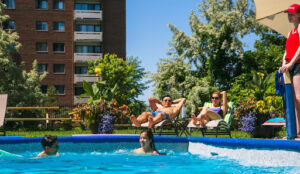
(78,130)
(234,134)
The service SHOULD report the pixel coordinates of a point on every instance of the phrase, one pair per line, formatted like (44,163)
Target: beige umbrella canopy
(271,14)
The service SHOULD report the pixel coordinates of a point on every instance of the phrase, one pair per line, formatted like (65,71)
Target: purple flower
(106,126)
(247,122)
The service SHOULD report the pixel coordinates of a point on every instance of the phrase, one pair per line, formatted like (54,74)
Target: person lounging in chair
(166,112)
(216,112)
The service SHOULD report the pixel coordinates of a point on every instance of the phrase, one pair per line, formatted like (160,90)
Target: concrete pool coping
(221,142)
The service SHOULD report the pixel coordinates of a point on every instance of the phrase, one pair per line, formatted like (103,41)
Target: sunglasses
(168,100)
(215,98)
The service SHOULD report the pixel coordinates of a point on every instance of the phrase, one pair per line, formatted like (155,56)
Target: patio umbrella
(271,14)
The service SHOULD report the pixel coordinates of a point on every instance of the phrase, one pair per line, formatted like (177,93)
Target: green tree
(23,88)
(215,47)
(176,78)
(124,77)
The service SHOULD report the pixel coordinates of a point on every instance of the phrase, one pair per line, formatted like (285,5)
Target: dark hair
(151,138)
(162,98)
(48,140)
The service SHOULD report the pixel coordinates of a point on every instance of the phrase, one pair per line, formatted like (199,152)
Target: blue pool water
(109,156)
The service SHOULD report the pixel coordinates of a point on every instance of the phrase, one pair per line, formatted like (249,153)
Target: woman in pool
(147,143)
(215,112)
(291,58)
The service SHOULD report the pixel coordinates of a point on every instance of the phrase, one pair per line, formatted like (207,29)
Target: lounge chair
(166,127)
(215,127)
(3,102)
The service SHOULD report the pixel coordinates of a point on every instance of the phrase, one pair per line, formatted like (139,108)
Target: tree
(23,88)
(176,78)
(214,47)
(123,77)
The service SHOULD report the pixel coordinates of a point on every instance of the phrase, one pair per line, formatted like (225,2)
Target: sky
(147,31)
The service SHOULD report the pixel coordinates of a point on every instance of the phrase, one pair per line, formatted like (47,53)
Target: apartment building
(63,34)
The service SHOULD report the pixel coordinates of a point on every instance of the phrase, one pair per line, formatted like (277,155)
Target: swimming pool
(102,154)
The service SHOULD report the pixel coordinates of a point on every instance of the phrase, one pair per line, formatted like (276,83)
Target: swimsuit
(217,110)
(154,114)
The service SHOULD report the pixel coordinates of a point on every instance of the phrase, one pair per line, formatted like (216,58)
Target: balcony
(88,36)
(79,78)
(88,14)
(83,57)
(82,100)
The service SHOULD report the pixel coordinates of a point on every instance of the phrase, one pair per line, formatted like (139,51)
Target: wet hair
(48,140)
(150,137)
(162,98)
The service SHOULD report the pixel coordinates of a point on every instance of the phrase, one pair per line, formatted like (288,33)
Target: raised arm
(180,102)
(225,105)
(152,103)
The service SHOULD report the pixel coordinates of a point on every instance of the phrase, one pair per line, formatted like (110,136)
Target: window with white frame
(9,3)
(9,25)
(82,6)
(87,49)
(87,28)
(41,4)
(79,91)
(60,89)
(41,47)
(42,68)
(58,47)
(58,4)
(58,68)
(41,26)
(81,69)
(58,26)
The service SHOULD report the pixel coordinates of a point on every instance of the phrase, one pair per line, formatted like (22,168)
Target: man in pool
(166,112)
(50,145)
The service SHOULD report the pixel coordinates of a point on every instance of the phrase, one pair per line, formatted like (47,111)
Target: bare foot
(194,119)
(135,121)
(203,123)
(150,122)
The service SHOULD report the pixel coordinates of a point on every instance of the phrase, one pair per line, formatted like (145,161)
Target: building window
(79,91)
(58,26)
(41,47)
(87,49)
(42,68)
(58,4)
(41,26)
(60,89)
(87,7)
(9,25)
(44,89)
(41,4)
(58,68)
(81,69)
(58,47)
(9,3)
(87,28)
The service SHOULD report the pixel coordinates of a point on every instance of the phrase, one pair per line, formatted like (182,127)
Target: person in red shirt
(291,58)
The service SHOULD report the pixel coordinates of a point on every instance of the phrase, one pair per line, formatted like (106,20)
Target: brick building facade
(63,34)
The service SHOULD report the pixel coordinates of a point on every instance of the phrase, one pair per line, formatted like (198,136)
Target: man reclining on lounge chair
(159,114)
(215,112)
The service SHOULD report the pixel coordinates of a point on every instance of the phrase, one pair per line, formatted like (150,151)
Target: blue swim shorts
(154,114)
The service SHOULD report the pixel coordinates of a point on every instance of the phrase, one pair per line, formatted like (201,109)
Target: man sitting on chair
(166,112)
(215,112)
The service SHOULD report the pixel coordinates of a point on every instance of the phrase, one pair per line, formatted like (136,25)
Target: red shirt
(292,44)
